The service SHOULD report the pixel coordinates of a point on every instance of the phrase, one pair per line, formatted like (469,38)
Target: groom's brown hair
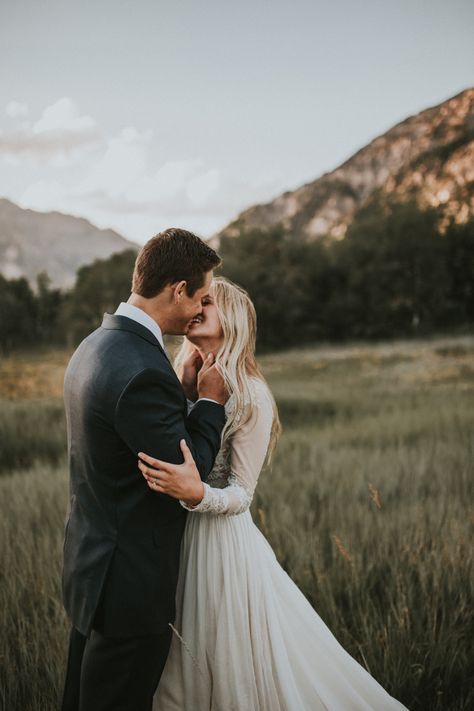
(170,256)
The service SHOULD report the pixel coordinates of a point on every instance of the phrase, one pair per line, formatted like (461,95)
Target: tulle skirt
(245,637)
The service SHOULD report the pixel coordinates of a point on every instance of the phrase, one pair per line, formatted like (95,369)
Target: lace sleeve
(248,450)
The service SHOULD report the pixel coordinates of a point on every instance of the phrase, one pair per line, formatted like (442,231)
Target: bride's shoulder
(261,394)
(257,406)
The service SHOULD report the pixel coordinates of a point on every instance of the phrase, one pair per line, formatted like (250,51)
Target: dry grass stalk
(262,519)
(342,549)
(374,493)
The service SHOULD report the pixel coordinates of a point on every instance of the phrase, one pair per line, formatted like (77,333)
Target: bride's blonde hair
(236,357)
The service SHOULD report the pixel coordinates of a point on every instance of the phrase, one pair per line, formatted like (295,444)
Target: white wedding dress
(245,637)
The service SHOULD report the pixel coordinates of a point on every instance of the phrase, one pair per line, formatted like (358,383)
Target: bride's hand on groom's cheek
(181,481)
(211,383)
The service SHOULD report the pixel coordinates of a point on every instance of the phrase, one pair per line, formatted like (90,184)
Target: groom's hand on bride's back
(210,381)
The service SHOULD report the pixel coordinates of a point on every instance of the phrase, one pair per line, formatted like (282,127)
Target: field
(368,505)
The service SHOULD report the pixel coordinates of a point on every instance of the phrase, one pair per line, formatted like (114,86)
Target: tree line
(49,316)
(399,271)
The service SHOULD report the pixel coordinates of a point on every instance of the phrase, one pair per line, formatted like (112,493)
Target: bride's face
(206,327)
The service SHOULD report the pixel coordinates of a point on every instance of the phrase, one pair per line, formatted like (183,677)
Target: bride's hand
(181,481)
(191,367)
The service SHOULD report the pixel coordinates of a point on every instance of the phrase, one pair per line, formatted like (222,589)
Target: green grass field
(368,505)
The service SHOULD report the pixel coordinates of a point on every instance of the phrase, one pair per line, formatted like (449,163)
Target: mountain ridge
(53,242)
(400,161)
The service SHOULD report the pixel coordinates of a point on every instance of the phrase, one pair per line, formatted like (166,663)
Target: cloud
(16,109)
(118,185)
(62,116)
(58,134)
(126,177)
(121,164)
(64,161)
(166,184)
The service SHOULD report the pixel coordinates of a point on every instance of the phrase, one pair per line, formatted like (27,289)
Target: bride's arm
(248,450)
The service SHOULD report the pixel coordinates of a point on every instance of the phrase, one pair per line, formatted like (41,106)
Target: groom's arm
(150,417)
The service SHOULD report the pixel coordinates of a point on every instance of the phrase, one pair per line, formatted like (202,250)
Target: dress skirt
(245,637)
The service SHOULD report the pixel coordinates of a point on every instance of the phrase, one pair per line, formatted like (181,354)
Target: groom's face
(190,306)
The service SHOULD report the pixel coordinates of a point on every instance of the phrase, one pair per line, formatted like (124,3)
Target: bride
(246,638)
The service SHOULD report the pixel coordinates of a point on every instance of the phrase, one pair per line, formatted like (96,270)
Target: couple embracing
(175,597)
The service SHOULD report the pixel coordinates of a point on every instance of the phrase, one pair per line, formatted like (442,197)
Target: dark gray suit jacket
(122,540)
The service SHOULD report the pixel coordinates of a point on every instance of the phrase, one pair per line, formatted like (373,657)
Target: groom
(122,541)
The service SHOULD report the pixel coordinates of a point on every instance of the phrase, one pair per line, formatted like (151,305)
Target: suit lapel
(123,323)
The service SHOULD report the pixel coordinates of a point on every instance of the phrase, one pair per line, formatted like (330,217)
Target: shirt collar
(141,317)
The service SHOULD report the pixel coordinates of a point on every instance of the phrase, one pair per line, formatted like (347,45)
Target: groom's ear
(179,290)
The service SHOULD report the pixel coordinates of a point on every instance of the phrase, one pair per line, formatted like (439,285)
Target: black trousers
(113,673)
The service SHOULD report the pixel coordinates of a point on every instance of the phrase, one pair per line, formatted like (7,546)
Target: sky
(146,114)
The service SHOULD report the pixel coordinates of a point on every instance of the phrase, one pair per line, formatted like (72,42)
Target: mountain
(32,242)
(428,156)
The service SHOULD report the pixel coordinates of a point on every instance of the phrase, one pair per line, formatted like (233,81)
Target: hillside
(31,242)
(429,156)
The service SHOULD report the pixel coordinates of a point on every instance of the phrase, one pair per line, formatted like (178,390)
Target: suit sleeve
(150,417)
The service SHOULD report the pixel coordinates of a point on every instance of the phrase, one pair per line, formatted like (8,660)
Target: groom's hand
(181,481)
(210,382)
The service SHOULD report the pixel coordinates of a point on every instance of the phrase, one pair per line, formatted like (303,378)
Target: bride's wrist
(196,497)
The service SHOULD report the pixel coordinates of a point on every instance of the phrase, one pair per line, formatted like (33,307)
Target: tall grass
(368,506)
(380,541)
(32,622)
(31,431)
